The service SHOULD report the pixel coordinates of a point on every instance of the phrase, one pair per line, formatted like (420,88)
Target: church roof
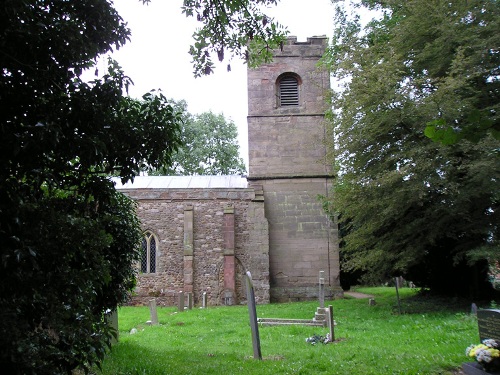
(184,182)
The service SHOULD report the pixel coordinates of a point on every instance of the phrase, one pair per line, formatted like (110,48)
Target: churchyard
(429,337)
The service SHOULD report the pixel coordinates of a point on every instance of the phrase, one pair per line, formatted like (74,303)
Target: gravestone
(204,300)
(181,301)
(112,319)
(331,323)
(488,322)
(190,301)
(252,312)
(153,312)
(473,309)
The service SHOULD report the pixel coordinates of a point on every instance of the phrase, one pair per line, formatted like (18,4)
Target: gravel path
(358,295)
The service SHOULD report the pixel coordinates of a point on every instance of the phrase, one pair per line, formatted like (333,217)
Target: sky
(157,56)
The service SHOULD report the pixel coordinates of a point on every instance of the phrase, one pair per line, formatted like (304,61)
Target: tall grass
(430,337)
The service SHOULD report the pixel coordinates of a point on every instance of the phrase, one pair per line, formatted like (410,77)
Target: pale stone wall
(288,158)
(162,211)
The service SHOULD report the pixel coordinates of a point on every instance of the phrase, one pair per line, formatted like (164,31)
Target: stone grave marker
(112,319)
(181,301)
(331,323)
(152,311)
(190,301)
(252,311)
(204,300)
(488,322)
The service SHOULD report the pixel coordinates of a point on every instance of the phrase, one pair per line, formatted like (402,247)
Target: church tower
(287,160)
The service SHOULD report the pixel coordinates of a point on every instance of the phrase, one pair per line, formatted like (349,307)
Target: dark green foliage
(67,238)
(69,262)
(410,206)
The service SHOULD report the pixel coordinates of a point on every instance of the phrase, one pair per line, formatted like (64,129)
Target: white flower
(483,356)
(490,343)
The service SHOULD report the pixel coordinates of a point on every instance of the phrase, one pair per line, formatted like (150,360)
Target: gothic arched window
(288,90)
(148,253)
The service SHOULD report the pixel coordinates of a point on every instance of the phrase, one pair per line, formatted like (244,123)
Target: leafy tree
(67,238)
(409,206)
(209,146)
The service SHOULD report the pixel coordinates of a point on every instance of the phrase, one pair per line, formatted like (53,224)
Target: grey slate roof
(184,182)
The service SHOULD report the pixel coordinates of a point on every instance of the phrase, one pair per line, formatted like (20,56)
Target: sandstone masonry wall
(162,211)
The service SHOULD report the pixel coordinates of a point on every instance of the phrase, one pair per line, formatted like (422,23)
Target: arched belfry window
(288,90)
(148,253)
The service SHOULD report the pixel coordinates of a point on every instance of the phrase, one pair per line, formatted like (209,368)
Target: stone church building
(202,233)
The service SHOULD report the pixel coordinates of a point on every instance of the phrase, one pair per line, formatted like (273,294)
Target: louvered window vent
(289,92)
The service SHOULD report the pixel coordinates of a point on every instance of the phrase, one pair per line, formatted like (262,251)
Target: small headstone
(331,323)
(204,300)
(473,309)
(488,322)
(153,312)
(133,331)
(112,318)
(190,300)
(372,302)
(181,301)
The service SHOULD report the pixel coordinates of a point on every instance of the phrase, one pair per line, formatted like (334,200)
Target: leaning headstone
(252,311)
(181,301)
(152,311)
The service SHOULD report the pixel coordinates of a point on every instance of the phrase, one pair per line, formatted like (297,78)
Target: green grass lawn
(430,337)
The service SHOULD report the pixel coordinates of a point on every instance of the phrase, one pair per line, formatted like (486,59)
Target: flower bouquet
(486,354)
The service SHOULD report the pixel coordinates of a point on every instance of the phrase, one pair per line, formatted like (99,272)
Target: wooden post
(152,311)
(252,311)
(331,323)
